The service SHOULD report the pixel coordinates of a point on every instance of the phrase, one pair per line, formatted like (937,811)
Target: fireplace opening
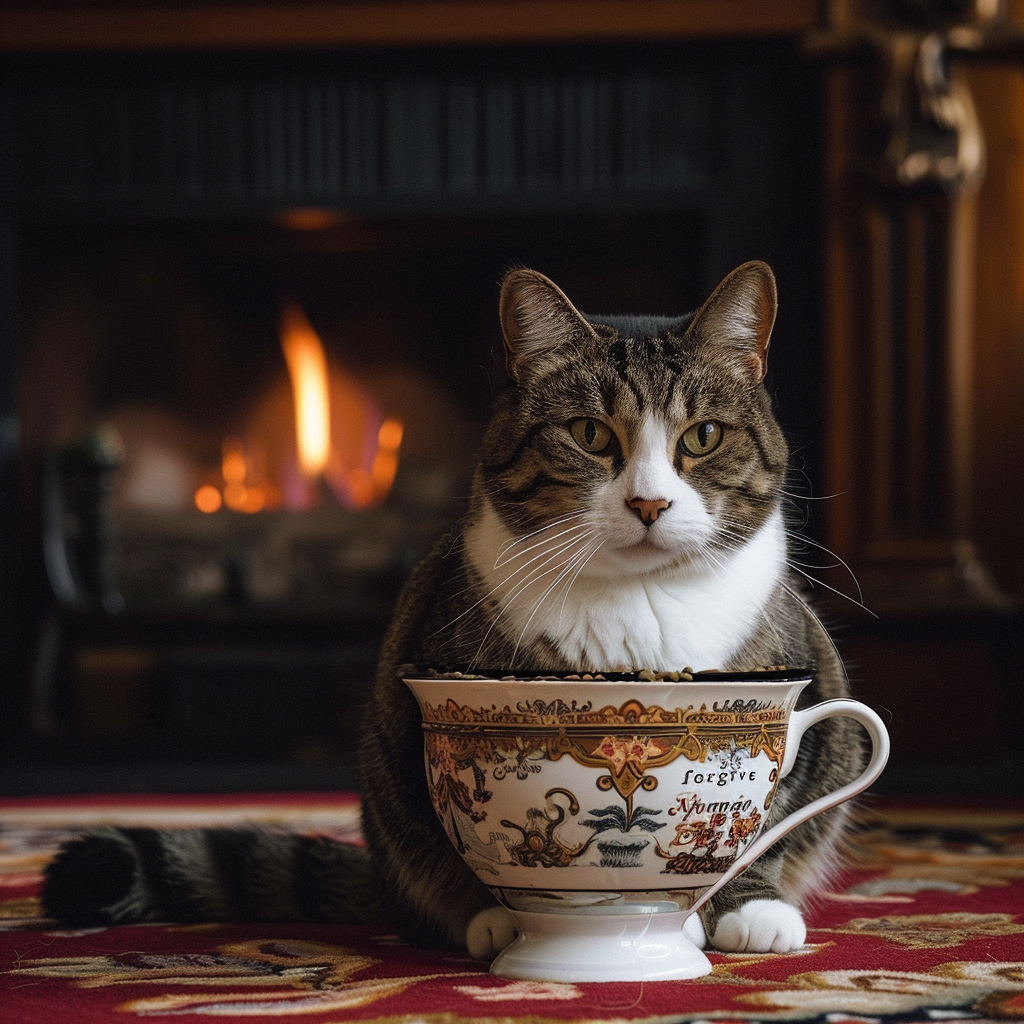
(244,387)
(213,593)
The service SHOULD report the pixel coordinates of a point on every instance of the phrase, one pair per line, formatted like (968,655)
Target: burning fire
(339,439)
(307,367)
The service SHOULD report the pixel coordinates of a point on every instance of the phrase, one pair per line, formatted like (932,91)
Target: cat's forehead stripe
(651,370)
(623,366)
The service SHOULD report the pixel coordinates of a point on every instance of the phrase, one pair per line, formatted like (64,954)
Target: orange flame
(340,438)
(307,366)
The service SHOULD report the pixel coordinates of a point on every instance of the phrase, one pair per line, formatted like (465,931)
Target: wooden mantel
(87,26)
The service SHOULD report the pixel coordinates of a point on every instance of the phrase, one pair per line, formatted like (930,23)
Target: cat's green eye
(702,438)
(591,435)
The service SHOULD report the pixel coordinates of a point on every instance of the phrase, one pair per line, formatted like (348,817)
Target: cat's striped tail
(121,875)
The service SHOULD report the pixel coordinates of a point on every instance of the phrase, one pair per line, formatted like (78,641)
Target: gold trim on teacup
(561,714)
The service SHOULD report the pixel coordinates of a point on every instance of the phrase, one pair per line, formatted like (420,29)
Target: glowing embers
(243,490)
(319,433)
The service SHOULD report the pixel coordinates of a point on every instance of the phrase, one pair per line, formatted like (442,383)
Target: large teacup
(603,812)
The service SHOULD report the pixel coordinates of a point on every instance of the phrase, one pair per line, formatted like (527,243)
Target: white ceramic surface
(603,812)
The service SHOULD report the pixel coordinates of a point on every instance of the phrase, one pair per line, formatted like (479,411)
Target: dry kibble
(645,675)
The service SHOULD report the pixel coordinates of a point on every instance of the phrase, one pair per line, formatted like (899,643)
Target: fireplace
(190,591)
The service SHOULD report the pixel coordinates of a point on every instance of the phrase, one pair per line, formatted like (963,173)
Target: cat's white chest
(667,624)
(655,620)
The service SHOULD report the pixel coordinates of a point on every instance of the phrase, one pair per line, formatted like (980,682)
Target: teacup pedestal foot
(601,947)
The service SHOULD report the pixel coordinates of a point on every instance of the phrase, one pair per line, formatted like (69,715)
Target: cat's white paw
(761,926)
(693,929)
(489,932)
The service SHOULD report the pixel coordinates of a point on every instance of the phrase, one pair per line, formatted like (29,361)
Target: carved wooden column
(904,158)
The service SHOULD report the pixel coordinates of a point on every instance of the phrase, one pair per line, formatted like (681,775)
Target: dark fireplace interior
(188,607)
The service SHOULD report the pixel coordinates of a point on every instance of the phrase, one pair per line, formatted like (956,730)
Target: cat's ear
(536,319)
(739,316)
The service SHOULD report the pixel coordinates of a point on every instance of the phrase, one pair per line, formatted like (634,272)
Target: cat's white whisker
(812,615)
(500,561)
(537,573)
(560,521)
(573,566)
(814,582)
(576,575)
(543,557)
(796,563)
(502,583)
(563,570)
(803,539)
(810,497)
(580,558)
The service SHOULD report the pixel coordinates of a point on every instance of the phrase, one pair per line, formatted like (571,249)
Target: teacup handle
(799,723)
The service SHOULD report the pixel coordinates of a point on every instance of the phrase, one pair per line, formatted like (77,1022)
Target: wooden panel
(925,333)
(75,27)
(996,439)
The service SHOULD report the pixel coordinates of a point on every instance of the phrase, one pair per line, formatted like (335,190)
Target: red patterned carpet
(927,925)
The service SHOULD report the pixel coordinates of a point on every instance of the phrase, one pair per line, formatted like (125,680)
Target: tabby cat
(626,513)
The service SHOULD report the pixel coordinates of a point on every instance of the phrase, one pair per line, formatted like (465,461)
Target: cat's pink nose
(648,509)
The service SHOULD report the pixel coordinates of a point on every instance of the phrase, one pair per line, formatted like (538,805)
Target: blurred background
(249,268)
